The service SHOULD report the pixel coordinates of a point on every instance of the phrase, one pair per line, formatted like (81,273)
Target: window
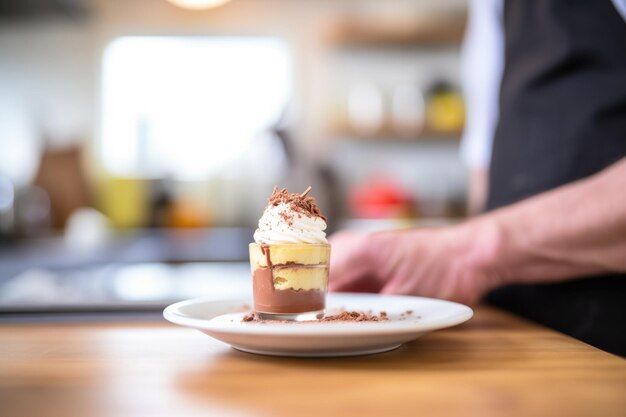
(187,106)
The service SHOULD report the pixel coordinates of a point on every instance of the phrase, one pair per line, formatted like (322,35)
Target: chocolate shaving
(352,316)
(306,191)
(287,218)
(300,203)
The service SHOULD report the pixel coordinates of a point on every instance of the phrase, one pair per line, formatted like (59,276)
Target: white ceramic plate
(222,320)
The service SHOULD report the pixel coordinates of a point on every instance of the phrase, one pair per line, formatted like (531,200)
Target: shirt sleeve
(482,62)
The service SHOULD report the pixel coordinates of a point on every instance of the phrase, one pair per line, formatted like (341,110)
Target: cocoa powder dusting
(287,218)
(299,203)
(344,316)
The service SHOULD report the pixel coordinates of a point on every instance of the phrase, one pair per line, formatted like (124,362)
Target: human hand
(455,263)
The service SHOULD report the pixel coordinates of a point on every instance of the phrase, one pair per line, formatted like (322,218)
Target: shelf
(400,139)
(389,135)
(433,31)
(372,225)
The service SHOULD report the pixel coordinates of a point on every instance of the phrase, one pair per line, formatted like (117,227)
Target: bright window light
(187,106)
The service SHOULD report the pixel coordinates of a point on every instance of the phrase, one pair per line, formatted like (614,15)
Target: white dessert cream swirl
(281,224)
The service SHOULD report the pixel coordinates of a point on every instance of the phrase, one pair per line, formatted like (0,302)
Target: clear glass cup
(289,281)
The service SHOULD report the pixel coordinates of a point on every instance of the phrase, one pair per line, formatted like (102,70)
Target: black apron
(562,118)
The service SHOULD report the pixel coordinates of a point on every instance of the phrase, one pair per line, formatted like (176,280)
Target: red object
(381,198)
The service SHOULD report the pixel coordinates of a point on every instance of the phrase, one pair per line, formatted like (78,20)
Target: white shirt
(482,63)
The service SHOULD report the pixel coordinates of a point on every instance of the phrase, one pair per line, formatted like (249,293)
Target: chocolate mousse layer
(268,299)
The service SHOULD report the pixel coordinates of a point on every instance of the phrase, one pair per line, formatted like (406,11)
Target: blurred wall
(49,68)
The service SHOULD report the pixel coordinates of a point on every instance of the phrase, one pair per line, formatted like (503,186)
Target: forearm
(573,231)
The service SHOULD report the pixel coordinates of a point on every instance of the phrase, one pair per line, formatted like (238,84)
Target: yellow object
(445,112)
(299,253)
(125,202)
(298,266)
(301,278)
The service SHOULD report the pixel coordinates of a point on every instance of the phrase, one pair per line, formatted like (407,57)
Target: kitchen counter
(218,244)
(139,270)
(495,364)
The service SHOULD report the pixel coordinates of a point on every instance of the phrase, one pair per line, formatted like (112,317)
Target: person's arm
(574,231)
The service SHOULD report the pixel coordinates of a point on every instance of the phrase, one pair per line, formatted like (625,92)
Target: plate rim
(328,329)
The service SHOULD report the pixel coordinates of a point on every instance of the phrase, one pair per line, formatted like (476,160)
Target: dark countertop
(144,245)
(139,271)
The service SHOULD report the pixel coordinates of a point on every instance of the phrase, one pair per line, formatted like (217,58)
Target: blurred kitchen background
(140,139)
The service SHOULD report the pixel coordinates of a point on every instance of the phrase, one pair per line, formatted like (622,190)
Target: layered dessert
(289,259)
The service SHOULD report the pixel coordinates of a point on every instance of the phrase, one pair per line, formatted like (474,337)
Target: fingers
(364,283)
(397,285)
(418,262)
(350,268)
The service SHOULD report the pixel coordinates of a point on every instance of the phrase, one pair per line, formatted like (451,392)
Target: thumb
(349,268)
(393,286)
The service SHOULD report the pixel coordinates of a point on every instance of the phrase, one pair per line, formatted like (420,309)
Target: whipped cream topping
(281,224)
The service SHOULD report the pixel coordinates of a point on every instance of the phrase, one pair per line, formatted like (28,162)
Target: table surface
(495,364)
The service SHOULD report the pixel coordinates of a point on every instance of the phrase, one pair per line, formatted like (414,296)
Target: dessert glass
(289,281)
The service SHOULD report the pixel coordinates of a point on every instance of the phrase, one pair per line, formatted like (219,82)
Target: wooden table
(494,365)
